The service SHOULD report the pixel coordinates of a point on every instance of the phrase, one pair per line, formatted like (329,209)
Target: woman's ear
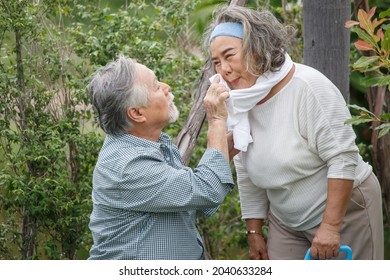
(135,114)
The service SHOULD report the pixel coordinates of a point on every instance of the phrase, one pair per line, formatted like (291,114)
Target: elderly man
(145,200)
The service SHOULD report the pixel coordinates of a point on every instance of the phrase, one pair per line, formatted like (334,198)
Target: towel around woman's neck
(243,100)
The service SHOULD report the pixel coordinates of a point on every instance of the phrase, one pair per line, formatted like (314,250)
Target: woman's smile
(234,83)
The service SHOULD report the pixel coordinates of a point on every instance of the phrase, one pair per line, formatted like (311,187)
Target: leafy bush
(374,43)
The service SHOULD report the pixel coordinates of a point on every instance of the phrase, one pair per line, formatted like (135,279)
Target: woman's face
(226,55)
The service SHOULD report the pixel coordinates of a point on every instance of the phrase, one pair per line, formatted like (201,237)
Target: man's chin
(173,115)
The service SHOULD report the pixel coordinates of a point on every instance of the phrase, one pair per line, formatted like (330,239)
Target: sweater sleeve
(322,122)
(253,200)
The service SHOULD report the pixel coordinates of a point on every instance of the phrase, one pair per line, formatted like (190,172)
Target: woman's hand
(257,247)
(232,150)
(326,242)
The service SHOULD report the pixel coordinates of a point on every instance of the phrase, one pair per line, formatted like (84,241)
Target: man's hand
(216,111)
(214,101)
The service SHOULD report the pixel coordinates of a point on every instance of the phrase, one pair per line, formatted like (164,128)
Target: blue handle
(343,248)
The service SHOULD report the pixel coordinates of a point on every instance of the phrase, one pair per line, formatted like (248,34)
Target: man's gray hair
(265,39)
(113,90)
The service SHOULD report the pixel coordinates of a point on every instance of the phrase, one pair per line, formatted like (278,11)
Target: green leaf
(363,35)
(355,120)
(385,13)
(384,81)
(365,61)
(383,129)
(386,41)
(354,106)
(385,26)
(383,132)
(382,126)
(355,78)
(370,68)
(371,81)
(385,116)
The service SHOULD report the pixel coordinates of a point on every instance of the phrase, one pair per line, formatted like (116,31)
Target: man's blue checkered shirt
(145,200)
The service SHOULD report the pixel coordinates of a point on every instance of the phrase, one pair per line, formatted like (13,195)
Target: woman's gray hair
(113,90)
(265,38)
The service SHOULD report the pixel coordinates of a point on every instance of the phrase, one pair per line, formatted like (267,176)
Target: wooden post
(327,41)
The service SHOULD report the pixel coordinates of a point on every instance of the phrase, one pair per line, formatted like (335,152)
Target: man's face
(160,109)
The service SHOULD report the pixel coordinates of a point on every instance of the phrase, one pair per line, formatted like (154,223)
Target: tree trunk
(237,2)
(378,99)
(186,139)
(29,234)
(29,223)
(327,41)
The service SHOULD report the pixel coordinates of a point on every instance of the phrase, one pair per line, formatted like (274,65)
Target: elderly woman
(298,167)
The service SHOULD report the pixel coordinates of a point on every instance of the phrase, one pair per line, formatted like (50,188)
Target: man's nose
(166,88)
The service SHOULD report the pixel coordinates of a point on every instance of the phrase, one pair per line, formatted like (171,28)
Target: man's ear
(135,114)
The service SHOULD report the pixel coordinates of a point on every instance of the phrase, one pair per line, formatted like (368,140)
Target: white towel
(243,100)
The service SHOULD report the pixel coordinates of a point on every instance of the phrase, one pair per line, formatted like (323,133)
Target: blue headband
(232,29)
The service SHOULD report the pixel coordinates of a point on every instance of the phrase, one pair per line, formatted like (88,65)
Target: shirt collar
(163,139)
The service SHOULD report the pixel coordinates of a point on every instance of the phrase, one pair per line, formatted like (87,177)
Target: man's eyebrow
(155,81)
(224,52)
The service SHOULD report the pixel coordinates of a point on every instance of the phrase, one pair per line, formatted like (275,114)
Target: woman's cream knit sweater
(299,141)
